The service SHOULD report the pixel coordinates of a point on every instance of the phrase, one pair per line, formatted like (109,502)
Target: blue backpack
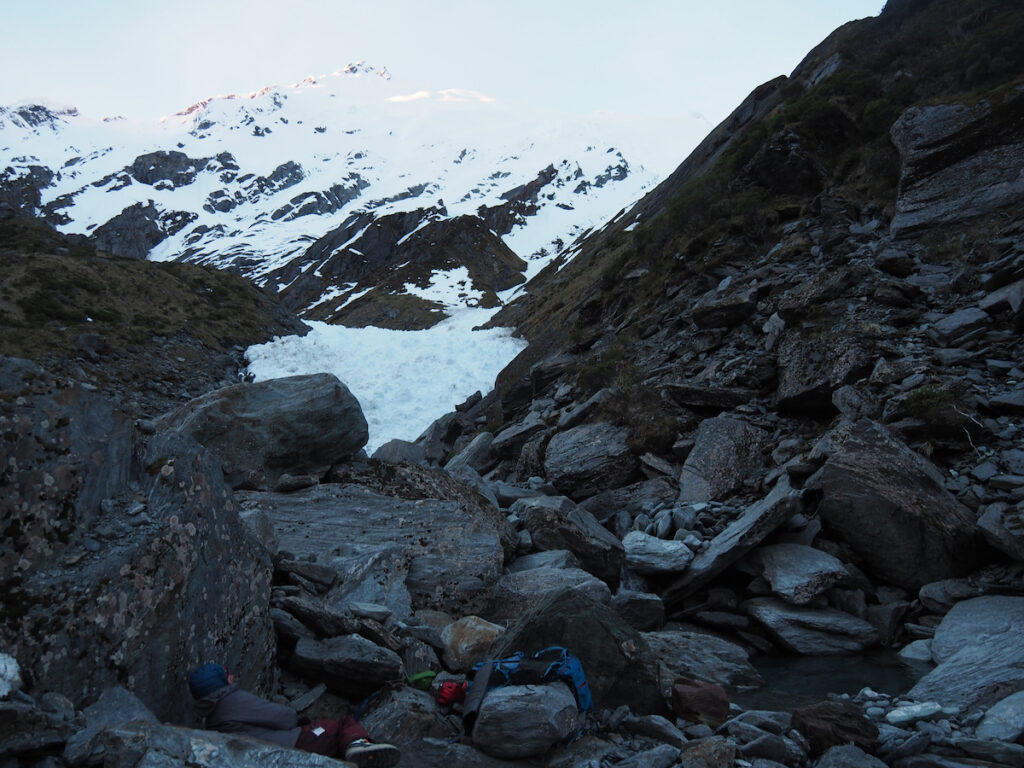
(554,664)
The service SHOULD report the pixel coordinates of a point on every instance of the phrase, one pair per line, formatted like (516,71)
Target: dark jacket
(233,710)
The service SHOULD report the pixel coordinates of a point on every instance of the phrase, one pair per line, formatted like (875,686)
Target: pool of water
(796,681)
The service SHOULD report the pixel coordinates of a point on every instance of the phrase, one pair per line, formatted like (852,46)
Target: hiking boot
(366,754)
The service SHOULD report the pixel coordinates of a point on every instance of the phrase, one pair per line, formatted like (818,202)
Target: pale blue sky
(144,59)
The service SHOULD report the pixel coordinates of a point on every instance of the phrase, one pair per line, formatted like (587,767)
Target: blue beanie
(206,679)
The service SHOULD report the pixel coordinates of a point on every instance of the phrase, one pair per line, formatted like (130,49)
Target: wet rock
(588,459)
(296,425)
(517,721)
(812,631)
(727,450)
(892,508)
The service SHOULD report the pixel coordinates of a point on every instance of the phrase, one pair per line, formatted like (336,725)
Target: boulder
(588,459)
(349,665)
(893,510)
(650,556)
(797,573)
(516,592)
(619,665)
(466,642)
(736,540)
(727,450)
(27,729)
(296,425)
(510,441)
(555,522)
(444,551)
(959,161)
(703,656)
(517,721)
(107,577)
(404,717)
(700,701)
(812,631)
(549,558)
(848,756)
(957,328)
(979,654)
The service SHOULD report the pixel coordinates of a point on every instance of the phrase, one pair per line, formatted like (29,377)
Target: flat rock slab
(650,556)
(403,553)
(812,631)
(979,653)
(798,573)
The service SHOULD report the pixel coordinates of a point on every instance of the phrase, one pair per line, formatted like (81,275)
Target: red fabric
(451,692)
(337,734)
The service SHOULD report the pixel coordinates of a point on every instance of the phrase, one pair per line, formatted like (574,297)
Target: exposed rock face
(890,505)
(296,425)
(123,544)
(958,161)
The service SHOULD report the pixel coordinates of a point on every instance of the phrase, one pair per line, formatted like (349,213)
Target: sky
(649,58)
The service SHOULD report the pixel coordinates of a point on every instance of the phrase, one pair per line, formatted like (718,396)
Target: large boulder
(726,451)
(619,665)
(131,565)
(297,425)
(812,368)
(893,510)
(588,459)
(349,664)
(518,591)
(518,721)
(555,522)
(405,553)
(979,654)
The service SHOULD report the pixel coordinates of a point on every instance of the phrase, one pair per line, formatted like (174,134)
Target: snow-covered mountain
(359,200)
